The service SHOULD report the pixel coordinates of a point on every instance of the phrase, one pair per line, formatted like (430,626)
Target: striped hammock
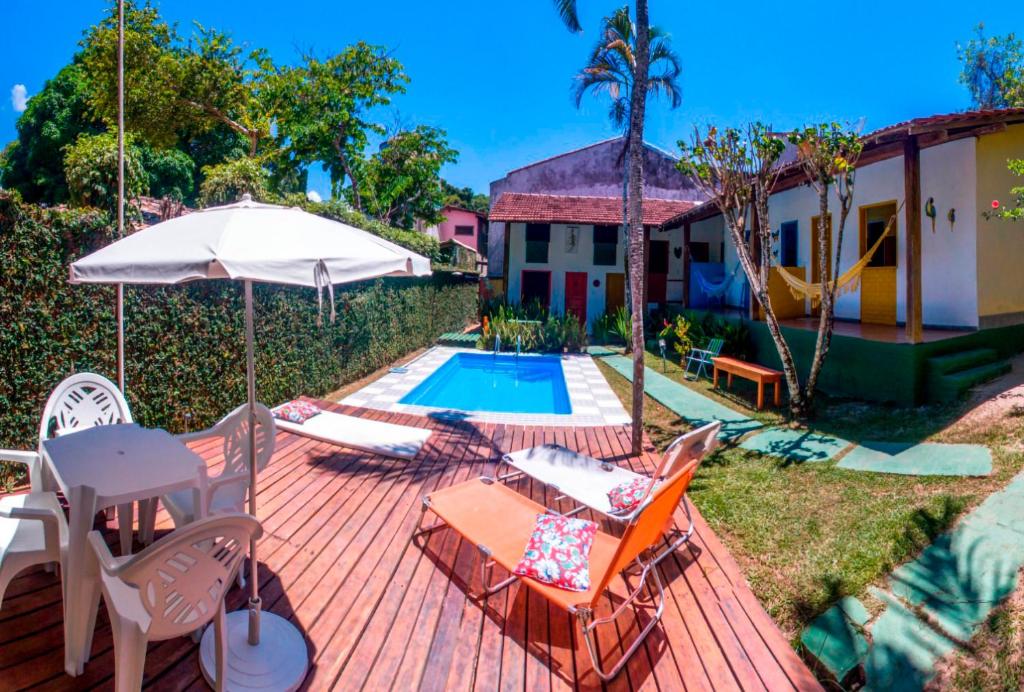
(847,282)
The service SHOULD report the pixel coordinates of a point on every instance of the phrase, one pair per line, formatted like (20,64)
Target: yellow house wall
(1000,243)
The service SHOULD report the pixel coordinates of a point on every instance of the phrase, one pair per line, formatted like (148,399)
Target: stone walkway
(934,603)
(696,409)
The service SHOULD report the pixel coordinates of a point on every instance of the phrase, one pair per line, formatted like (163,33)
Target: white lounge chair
(78,403)
(587,481)
(171,589)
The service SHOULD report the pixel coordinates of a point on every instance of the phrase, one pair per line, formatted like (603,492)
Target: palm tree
(609,71)
(634,191)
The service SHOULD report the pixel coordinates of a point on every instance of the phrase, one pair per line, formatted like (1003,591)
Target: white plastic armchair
(33,531)
(226,491)
(80,402)
(171,589)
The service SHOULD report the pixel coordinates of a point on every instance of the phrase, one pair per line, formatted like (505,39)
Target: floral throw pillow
(296,411)
(558,552)
(626,496)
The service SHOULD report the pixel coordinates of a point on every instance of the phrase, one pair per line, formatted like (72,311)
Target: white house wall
(560,261)
(949,274)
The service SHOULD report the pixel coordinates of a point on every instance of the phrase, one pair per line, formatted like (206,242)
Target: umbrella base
(278,662)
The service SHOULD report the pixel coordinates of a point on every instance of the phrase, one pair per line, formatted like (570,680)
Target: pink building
(463,225)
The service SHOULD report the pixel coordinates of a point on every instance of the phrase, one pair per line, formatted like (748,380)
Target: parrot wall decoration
(930,212)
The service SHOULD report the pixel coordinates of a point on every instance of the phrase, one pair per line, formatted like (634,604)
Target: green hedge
(185,344)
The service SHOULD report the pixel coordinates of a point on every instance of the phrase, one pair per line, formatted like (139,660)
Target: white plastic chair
(33,531)
(225,492)
(78,403)
(171,589)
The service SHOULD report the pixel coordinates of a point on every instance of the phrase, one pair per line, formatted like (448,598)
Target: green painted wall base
(875,370)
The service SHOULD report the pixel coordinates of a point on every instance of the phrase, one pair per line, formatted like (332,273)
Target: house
(556,233)
(942,299)
(463,256)
(466,226)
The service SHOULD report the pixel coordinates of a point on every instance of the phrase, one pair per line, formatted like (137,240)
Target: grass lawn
(806,534)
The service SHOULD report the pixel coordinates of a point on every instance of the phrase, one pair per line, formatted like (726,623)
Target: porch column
(912,200)
(686,264)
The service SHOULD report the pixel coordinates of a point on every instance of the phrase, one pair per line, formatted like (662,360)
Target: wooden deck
(382,612)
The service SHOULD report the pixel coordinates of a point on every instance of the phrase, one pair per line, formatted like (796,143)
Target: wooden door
(878,281)
(657,271)
(576,295)
(614,291)
(816,253)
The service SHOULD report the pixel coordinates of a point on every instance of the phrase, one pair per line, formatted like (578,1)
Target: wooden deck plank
(378,610)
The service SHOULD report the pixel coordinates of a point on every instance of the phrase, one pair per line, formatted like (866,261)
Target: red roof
(521,206)
(964,119)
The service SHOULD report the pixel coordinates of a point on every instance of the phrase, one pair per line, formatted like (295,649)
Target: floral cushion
(626,496)
(558,552)
(296,411)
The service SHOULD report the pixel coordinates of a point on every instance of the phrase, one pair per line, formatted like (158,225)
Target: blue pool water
(505,384)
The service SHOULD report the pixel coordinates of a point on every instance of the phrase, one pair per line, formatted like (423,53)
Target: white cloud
(314,196)
(19,97)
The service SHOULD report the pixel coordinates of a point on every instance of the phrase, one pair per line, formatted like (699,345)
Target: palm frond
(570,17)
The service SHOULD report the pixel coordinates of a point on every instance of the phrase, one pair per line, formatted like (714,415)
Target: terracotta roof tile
(521,206)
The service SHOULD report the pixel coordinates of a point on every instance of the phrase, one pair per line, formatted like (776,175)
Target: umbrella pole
(120,337)
(270,653)
(255,603)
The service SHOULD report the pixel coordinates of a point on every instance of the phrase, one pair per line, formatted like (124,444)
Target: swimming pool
(505,384)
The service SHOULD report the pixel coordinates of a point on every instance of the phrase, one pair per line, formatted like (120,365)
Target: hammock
(716,290)
(847,282)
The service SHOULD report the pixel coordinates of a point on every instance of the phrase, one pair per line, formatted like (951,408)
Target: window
(536,287)
(464,230)
(788,233)
(606,242)
(538,237)
(700,252)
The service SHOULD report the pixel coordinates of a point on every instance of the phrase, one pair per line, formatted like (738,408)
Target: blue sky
(496,75)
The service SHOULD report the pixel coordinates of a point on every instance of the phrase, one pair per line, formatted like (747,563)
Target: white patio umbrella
(251,242)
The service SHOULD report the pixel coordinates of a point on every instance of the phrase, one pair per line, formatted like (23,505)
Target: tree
(992,69)
(169,172)
(54,118)
(226,182)
(465,197)
(153,73)
(325,117)
(609,71)
(401,182)
(635,188)
(90,165)
(739,170)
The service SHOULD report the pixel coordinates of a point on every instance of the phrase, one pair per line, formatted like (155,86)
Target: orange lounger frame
(499,522)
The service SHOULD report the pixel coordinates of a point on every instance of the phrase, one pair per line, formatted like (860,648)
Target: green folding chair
(701,357)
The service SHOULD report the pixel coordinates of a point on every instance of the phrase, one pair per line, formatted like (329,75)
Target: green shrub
(514,325)
(226,183)
(703,327)
(90,166)
(184,343)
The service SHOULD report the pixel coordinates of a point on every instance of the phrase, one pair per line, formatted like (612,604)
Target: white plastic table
(105,466)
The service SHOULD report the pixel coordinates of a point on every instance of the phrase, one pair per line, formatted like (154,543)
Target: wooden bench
(749,371)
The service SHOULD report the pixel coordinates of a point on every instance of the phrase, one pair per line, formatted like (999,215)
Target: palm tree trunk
(625,224)
(637,269)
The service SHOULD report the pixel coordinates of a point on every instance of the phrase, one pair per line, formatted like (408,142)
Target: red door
(576,294)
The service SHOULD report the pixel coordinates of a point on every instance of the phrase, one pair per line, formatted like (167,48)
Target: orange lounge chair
(500,521)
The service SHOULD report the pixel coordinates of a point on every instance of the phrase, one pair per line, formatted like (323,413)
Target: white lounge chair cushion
(584,479)
(386,439)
